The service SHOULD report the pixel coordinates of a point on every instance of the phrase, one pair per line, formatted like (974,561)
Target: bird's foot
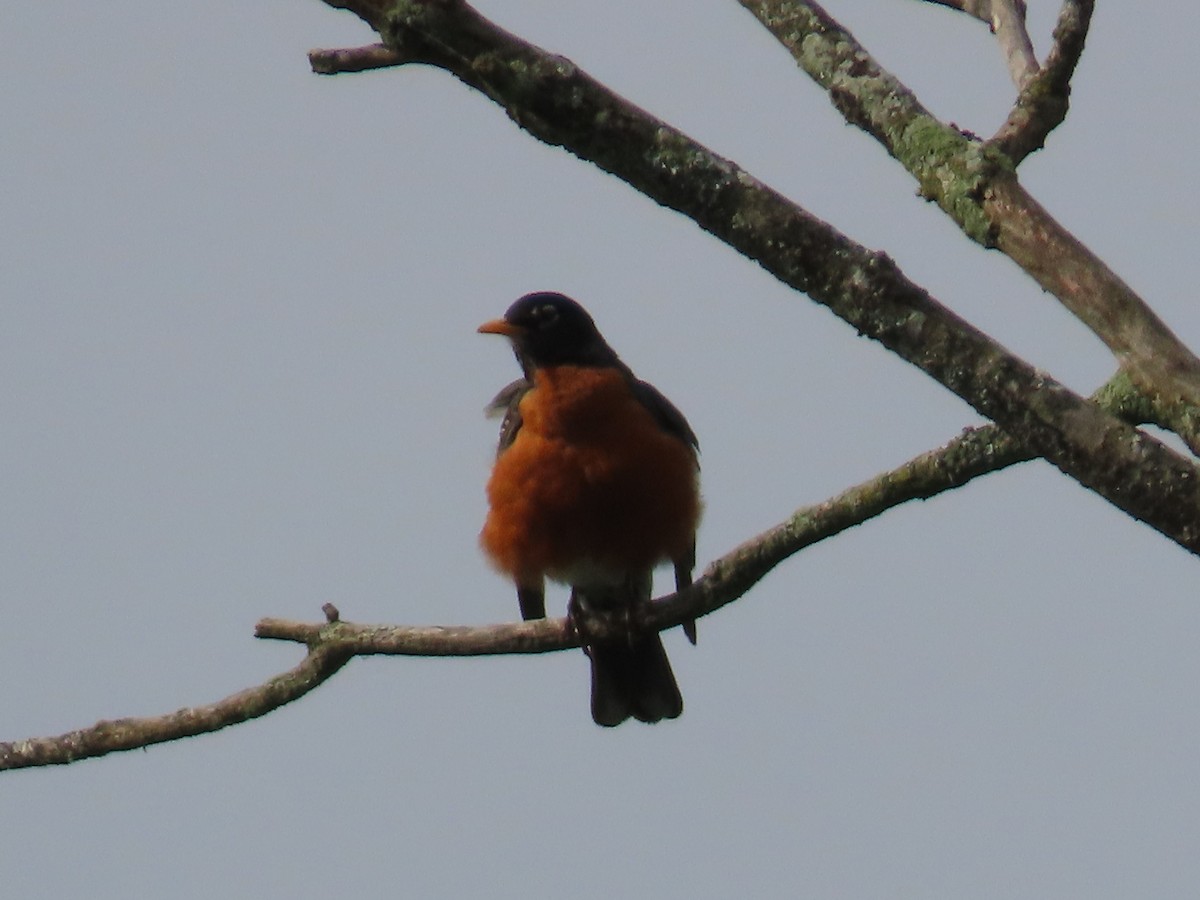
(601,621)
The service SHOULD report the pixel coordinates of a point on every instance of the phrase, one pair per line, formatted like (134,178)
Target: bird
(595,482)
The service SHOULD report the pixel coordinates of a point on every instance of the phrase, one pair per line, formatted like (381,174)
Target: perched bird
(596,481)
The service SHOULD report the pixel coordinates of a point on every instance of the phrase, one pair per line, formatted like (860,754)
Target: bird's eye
(546,315)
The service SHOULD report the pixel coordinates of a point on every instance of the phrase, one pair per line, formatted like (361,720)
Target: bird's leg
(532,600)
(607,604)
(577,614)
(634,588)
(683,579)
(619,606)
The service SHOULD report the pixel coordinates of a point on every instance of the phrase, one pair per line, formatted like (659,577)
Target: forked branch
(975,183)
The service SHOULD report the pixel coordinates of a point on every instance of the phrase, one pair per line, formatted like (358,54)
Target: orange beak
(499,326)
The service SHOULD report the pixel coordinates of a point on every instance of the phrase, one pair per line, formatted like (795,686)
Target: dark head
(548,329)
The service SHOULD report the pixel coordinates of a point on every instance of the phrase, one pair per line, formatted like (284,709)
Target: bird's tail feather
(630,676)
(633,679)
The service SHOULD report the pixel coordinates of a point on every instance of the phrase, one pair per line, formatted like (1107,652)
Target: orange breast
(591,478)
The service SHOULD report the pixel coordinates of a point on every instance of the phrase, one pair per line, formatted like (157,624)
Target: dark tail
(633,680)
(631,676)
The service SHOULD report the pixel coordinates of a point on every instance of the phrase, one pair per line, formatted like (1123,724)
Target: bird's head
(548,329)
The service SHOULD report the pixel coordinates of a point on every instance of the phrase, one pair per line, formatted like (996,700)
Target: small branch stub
(353,59)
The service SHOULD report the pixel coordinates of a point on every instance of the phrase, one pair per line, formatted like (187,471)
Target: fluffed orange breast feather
(591,476)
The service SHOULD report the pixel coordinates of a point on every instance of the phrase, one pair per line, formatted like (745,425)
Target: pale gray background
(239,377)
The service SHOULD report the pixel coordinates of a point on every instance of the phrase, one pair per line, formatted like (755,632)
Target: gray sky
(240,377)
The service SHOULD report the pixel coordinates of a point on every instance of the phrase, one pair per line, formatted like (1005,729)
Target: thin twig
(1008,24)
(1043,102)
(130,733)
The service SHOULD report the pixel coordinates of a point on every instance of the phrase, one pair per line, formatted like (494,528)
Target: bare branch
(352,59)
(978,188)
(1028,234)
(1008,24)
(1043,102)
(353,639)
(556,102)
(1006,19)
(128,734)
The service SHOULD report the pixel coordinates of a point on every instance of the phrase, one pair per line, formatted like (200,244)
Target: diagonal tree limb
(967,181)
(977,186)
(552,99)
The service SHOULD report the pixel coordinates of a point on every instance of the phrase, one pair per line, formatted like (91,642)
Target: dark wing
(507,403)
(663,410)
(673,422)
